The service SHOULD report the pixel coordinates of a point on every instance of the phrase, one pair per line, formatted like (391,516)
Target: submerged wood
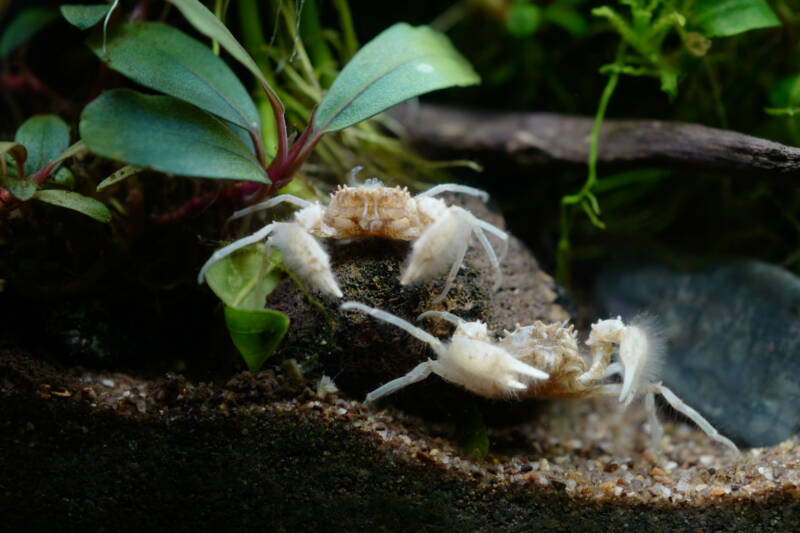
(536,138)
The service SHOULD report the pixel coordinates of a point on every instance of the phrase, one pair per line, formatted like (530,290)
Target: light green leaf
(45,137)
(84,16)
(77,202)
(400,63)
(723,18)
(163,58)
(125,172)
(24,189)
(209,25)
(166,134)
(256,334)
(25,25)
(244,279)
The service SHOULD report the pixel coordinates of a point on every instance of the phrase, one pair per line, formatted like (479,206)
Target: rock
(361,353)
(733,332)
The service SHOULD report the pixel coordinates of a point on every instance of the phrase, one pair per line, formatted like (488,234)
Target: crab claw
(304,256)
(633,353)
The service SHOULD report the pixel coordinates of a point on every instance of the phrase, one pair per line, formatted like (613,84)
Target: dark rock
(361,353)
(733,333)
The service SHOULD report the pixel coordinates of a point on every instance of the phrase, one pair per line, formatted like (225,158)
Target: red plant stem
(193,206)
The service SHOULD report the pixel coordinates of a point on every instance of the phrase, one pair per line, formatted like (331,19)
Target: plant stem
(585,193)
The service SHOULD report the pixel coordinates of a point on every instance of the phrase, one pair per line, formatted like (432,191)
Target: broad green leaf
(24,189)
(784,98)
(125,172)
(77,202)
(523,19)
(209,25)
(25,25)
(163,58)
(723,18)
(166,134)
(255,334)
(243,279)
(400,63)
(84,16)
(471,432)
(16,152)
(45,137)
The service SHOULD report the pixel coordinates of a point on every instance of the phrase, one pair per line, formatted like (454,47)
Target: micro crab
(441,232)
(544,361)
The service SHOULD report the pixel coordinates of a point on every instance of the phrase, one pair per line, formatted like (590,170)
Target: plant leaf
(255,334)
(45,137)
(125,172)
(25,25)
(77,202)
(84,16)
(400,63)
(166,134)
(723,18)
(165,59)
(17,152)
(24,189)
(209,25)
(242,280)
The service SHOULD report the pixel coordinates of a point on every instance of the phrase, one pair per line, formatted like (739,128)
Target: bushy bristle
(656,345)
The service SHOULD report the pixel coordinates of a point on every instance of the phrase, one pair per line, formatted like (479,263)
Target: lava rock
(733,332)
(360,353)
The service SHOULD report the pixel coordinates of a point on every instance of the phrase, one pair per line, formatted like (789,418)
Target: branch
(552,139)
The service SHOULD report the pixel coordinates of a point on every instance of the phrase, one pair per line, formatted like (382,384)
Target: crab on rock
(441,233)
(544,361)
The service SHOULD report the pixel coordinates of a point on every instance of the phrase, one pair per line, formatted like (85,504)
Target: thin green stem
(585,196)
(348,31)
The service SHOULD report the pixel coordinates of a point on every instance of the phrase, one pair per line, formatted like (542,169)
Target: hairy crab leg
(454,187)
(418,333)
(418,373)
(444,315)
(272,202)
(236,245)
(492,256)
(451,276)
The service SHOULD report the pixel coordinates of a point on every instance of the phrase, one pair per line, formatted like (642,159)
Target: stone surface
(733,333)
(361,353)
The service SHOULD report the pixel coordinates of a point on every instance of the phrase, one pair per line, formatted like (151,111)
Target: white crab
(544,361)
(441,233)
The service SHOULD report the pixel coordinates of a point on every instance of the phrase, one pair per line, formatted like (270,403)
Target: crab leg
(454,187)
(236,245)
(418,373)
(272,202)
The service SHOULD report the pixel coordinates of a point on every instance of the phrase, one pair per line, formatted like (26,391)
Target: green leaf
(45,137)
(209,25)
(163,58)
(18,154)
(523,19)
(166,134)
(471,432)
(77,202)
(244,279)
(400,63)
(125,172)
(723,18)
(24,189)
(25,25)
(84,16)
(255,334)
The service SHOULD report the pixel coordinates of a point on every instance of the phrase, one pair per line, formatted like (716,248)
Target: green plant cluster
(204,123)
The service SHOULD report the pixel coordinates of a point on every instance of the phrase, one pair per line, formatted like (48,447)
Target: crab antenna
(272,202)
(453,187)
(420,334)
(227,250)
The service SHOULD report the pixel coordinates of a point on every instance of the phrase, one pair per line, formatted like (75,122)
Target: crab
(544,361)
(441,232)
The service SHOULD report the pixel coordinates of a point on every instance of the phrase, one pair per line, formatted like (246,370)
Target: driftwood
(553,139)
